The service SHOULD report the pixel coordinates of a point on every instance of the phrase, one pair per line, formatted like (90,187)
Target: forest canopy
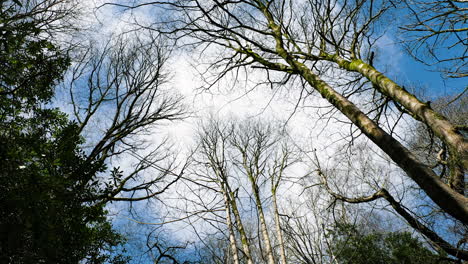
(218,131)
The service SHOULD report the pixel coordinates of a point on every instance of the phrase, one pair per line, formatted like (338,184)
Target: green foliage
(351,245)
(30,63)
(48,187)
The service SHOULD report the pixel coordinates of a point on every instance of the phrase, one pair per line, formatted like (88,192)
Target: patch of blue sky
(425,75)
(400,66)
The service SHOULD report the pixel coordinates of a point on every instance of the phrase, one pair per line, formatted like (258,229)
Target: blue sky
(405,70)
(417,73)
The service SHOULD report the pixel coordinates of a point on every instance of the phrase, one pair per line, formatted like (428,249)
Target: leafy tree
(352,245)
(47,182)
(30,63)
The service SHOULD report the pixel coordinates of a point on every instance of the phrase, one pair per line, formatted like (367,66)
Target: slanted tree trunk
(448,199)
(442,128)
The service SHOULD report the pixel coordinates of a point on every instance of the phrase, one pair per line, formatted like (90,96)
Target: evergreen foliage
(47,183)
(353,245)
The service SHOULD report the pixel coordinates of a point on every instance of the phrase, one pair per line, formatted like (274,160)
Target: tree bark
(263,226)
(240,227)
(449,200)
(442,128)
(232,238)
(258,202)
(279,233)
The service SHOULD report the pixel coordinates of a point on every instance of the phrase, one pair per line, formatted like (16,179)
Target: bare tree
(327,47)
(118,98)
(284,158)
(253,143)
(244,163)
(214,150)
(214,145)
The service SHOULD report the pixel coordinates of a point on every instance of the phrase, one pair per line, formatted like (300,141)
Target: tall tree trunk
(232,238)
(240,227)
(279,233)
(263,226)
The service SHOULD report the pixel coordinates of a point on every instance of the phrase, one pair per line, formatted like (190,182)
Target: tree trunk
(263,226)
(446,131)
(232,238)
(240,227)
(449,200)
(278,228)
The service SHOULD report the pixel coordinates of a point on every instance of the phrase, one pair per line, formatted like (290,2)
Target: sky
(411,72)
(262,102)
